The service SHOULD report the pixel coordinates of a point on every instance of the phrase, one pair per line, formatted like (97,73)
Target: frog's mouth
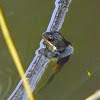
(50,43)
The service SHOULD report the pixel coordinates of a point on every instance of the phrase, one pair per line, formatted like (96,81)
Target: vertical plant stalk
(39,63)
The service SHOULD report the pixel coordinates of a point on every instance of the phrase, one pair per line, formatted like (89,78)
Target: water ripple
(5,84)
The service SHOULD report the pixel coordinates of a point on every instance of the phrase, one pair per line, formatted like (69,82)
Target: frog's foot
(64,57)
(50,54)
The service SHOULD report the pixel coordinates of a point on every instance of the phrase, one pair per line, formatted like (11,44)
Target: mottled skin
(56,47)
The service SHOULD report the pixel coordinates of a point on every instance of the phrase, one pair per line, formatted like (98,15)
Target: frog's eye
(50,37)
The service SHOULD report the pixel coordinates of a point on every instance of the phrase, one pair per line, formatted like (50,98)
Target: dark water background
(27,20)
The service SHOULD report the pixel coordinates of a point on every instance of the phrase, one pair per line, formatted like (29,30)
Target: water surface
(27,20)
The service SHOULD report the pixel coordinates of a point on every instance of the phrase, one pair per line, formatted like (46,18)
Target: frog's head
(54,39)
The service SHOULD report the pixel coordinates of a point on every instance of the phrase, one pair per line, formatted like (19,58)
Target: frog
(58,49)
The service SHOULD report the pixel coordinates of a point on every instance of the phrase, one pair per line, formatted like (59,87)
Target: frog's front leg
(50,54)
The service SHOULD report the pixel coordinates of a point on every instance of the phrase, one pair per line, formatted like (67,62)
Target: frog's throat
(54,47)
